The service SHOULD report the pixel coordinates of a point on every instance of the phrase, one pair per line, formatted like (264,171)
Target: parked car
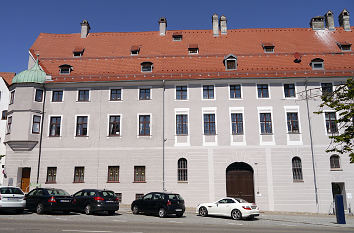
(12,198)
(42,200)
(159,203)
(93,200)
(236,208)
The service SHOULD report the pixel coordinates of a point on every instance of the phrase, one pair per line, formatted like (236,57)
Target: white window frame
(51,96)
(83,89)
(297,110)
(88,125)
(61,125)
(175,91)
(230,59)
(333,86)
(317,62)
(265,109)
(214,90)
(121,94)
(324,121)
(296,95)
(144,87)
(189,52)
(138,122)
(12,100)
(180,111)
(241,87)
(120,123)
(40,124)
(242,111)
(269,94)
(210,110)
(35,93)
(141,68)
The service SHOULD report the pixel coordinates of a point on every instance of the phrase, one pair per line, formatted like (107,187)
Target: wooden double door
(25,179)
(239,181)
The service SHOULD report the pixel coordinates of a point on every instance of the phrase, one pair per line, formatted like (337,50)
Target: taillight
(0,197)
(98,198)
(74,201)
(169,202)
(117,199)
(52,200)
(246,207)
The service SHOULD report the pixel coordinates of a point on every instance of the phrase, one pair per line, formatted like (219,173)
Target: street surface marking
(116,220)
(231,223)
(86,231)
(174,222)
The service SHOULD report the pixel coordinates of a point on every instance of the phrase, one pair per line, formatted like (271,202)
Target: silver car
(12,198)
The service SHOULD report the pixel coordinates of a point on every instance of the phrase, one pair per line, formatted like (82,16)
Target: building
(5,81)
(205,113)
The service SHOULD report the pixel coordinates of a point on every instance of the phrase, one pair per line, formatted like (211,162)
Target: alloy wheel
(236,214)
(203,211)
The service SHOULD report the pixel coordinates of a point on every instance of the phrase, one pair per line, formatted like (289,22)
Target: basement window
(317,64)
(134,50)
(193,49)
(268,47)
(146,66)
(177,36)
(65,69)
(344,46)
(230,62)
(78,52)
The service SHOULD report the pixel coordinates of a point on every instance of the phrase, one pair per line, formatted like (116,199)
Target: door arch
(239,181)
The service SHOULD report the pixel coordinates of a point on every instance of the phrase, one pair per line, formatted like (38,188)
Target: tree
(341,100)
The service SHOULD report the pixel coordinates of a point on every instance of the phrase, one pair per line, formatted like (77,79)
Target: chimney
(223,27)
(317,23)
(85,28)
(329,21)
(163,26)
(215,20)
(344,20)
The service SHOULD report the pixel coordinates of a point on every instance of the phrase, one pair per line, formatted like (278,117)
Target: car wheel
(162,213)
(88,210)
(19,211)
(111,212)
(40,208)
(66,212)
(203,211)
(179,215)
(236,214)
(135,209)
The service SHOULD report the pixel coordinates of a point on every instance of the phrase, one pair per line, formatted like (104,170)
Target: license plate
(178,209)
(64,200)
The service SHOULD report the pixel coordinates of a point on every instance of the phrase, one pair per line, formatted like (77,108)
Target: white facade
(4,103)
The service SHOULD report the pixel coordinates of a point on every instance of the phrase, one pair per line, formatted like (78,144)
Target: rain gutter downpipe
(163,136)
(41,136)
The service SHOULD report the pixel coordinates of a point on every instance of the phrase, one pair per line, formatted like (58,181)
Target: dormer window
(268,47)
(230,62)
(78,52)
(177,36)
(344,46)
(134,50)
(317,64)
(65,69)
(146,66)
(193,49)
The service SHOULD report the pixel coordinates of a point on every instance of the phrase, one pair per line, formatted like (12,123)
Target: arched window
(334,160)
(297,169)
(182,170)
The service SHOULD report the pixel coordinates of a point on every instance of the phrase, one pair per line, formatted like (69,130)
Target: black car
(93,200)
(159,203)
(43,200)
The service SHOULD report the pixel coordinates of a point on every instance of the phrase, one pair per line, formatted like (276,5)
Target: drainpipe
(311,143)
(163,136)
(41,135)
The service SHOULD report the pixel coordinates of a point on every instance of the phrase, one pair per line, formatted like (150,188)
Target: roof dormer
(317,64)
(230,62)
(193,49)
(344,46)
(268,47)
(78,51)
(146,66)
(65,69)
(177,36)
(134,50)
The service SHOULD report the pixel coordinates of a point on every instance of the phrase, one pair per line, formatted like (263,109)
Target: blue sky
(21,21)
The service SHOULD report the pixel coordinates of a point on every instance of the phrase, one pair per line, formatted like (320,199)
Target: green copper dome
(33,75)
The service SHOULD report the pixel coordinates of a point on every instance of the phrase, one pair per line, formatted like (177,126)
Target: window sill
(182,182)
(145,99)
(50,182)
(237,134)
(54,136)
(113,182)
(139,182)
(294,132)
(57,101)
(78,182)
(265,134)
(298,181)
(114,136)
(140,135)
(336,169)
(83,101)
(181,134)
(81,136)
(210,134)
(116,100)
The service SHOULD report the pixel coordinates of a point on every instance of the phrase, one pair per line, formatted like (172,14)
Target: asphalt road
(125,222)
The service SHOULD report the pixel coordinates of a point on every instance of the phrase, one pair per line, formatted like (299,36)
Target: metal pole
(41,136)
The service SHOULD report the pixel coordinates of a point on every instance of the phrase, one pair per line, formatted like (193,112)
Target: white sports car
(236,208)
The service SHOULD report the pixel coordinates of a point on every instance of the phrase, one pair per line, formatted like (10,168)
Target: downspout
(311,143)
(163,136)
(41,135)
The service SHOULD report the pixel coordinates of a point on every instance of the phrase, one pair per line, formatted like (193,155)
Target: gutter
(41,135)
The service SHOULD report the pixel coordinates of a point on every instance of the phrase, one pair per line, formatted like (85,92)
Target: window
(237,123)
(116,94)
(208,92)
(344,46)
(289,90)
(144,93)
(317,64)
(235,91)
(4,115)
(263,91)
(209,124)
(334,161)
(146,66)
(134,50)
(12,97)
(78,52)
(57,96)
(331,122)
(9,123)
(113,174)
(327,88)
(84,96)
(144,125)
(266,123)
(297,169)
(230,62)
(182,170)
(139,196)
(36,125)
(54,127)
(177,37)
(182,124)
(181,92)
(114,125)
(51,175)
(81,126)
(79,174)
(292,122)
(65,69)
(268,47)
(193,49)
(139,173)
(39,95)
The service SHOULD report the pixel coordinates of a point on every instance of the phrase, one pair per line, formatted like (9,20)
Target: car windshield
(175,197)
(57,192)
(241,200)
(10,190)
(107,194)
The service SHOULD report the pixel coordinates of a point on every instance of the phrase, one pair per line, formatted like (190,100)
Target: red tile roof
(107,55)
(7,76)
